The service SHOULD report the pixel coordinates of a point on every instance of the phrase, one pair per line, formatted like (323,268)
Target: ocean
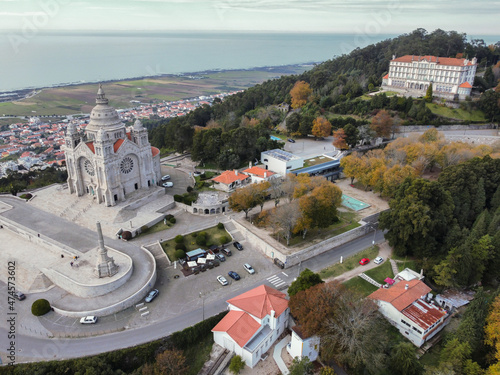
(51,59)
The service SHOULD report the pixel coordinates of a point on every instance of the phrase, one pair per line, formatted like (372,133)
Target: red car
(364,261)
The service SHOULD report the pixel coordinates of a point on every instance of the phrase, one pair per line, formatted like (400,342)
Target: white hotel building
(450,78)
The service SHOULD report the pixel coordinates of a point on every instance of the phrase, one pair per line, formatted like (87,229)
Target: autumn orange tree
(382,123)
(492,334)
(300,94)
(339,139)
(243,199)
(321,127)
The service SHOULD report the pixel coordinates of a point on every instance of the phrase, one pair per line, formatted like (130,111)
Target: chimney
(265,174)
(421,274)
(406,287)
(273,320)
(249,164)
(437,60)
(236,172)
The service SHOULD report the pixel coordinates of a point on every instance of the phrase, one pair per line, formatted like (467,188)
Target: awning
(202,260)
(210,256)
(191,264)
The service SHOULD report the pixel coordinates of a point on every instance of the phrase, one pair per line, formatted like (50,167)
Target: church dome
(103,116)
(138,125)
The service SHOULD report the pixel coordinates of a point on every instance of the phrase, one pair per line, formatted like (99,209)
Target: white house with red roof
(406,306)
(448,76)
(230,180)
(258,174)
(254,321)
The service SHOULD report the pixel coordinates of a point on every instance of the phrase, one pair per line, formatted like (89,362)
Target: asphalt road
(47,349)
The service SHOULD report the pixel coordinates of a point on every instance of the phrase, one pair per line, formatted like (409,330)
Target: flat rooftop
(281,155)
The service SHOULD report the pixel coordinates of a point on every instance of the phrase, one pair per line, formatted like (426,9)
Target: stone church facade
(110,161)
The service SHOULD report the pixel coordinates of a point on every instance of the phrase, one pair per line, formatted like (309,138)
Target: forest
(238,128)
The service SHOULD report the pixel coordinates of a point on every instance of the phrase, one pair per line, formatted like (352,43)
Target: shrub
(126,235)
(168,217)
(172,220)
(203,233)
(40,307)
(179,254)
(200,185)
(236,365)
(220,226)
(189,189)
(180,246)
(26,196)
(179,238)
(201,240)
(178,198)
(203,176)
(224,239)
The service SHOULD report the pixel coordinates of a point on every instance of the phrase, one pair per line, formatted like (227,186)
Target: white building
(406,305)
(254,321)
(111,161)
(449,77)
(280,161)
(302,346)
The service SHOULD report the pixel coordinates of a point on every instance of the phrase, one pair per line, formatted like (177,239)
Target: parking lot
(180,179)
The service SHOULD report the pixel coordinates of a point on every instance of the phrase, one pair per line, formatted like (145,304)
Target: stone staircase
(394,266)
(370,280)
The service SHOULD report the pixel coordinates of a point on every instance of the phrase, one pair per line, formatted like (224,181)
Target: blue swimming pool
(352,203)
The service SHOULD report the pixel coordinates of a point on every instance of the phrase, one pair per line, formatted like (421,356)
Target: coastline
(24,93)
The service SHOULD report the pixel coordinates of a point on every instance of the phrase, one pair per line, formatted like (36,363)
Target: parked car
(214,249)
(234,275)
(226,251)
(279,263)
(168,184)
(364,261)
(221,257)
(88,319)
(19,295)
(221,279)
(249,268)
(378,260)
(291,140)
(197,173)
(238,245)
(166,177)
(152,295)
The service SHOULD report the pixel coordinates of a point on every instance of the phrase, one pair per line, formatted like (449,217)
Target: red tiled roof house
(405,306)
(229,180)
(254,322)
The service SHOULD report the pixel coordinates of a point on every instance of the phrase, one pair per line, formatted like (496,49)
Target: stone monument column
(105,265)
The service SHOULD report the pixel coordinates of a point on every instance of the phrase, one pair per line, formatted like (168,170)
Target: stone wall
(273,249)
(423,128)
(121,305)
(94,289)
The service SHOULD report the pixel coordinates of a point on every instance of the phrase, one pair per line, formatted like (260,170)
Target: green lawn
(349,263)
(456,113)
(214,236)
(381,272)
(158,227)
(361,286)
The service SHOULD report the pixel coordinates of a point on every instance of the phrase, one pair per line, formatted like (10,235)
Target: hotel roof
(433,59)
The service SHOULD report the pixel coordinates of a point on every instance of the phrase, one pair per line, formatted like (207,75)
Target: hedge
(179,254)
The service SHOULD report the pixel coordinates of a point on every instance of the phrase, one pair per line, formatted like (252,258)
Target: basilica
(110,160)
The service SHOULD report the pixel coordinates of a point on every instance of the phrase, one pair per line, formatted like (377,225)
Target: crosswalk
(276,281)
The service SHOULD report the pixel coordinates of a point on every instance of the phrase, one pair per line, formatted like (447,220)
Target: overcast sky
(344,16)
